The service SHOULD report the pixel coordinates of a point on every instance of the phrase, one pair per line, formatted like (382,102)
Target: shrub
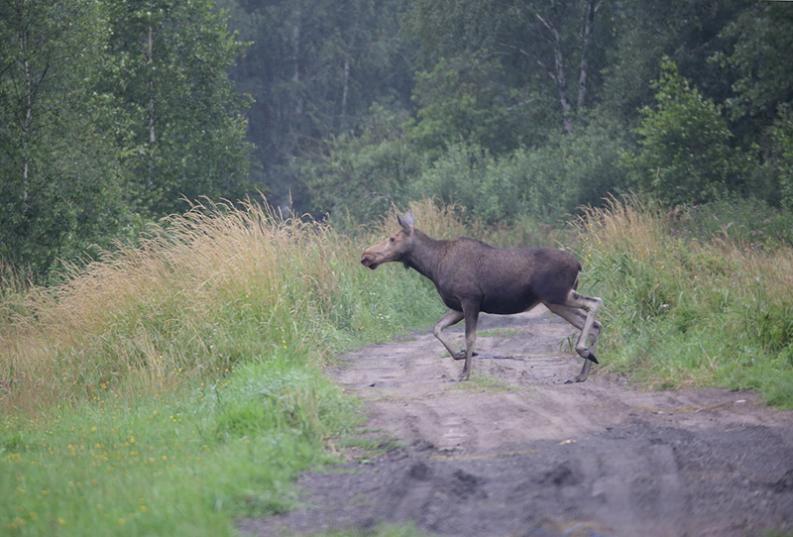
(781,158)
(360,176)
(215,287)
(544,183)
(681,310)
(748,221)
(684,154)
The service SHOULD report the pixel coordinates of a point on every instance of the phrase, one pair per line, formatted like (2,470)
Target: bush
(682,311)
(362,176)
(747,221)
(780,161)
(684,154)
(459,176)
(544,183)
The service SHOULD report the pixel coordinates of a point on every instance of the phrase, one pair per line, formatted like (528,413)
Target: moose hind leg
(577,318)
(452,317)
(591,305)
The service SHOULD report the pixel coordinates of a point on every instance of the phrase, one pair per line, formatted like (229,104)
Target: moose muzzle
(368,261)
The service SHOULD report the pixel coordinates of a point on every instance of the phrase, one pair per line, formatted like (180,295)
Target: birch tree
(61,187)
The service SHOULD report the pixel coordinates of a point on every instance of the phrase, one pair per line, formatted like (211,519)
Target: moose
(473,277)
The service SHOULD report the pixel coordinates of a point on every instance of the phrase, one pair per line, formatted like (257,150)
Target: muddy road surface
(517,452)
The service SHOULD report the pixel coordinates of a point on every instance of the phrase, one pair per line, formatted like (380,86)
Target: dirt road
(516,452)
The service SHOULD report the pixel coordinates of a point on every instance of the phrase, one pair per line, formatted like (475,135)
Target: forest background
(163,352)
(114,113)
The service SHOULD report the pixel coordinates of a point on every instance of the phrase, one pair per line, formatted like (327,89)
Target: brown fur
(472,276)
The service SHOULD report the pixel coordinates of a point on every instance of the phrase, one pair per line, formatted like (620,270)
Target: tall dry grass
(222,285)
(685,311)
(201,292)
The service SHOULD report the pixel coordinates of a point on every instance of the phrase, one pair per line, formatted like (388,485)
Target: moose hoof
(576,379)
(460,355)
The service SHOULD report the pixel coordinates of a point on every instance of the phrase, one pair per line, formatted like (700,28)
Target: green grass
(178,387)
(177,464)
(174,387)
(185,463)
(681,311)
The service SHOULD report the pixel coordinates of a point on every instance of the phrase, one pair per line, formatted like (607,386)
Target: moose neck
(425,255)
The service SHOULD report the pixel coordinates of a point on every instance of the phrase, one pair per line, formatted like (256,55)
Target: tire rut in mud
(516,452)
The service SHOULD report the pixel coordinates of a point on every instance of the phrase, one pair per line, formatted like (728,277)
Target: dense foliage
(517,108)
(684,310)
(111,111)
(174,384)
(177,385)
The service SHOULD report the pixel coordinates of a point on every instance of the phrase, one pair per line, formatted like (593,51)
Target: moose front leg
(452,317)
(471,312)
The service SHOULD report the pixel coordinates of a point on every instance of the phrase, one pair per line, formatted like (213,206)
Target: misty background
(114,113)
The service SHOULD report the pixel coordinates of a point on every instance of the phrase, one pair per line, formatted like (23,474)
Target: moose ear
(406,221)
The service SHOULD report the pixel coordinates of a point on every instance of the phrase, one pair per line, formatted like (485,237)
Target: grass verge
(178,464)
(681,311)
(172,387)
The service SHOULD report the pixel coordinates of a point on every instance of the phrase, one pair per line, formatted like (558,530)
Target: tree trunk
(561,88)
(589,17)
(150,108)
(296,31)
(558,75)
(345,91)
(27,121)
(149,62)
(26,127)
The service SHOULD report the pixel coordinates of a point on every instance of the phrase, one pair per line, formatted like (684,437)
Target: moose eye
(391,239)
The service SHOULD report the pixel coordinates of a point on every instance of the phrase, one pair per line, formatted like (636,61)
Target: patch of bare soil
(516,452)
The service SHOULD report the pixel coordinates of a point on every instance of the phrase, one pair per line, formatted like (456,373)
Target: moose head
(394,248)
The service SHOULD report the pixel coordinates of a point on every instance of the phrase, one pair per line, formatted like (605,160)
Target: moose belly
(507,304)
(500,303)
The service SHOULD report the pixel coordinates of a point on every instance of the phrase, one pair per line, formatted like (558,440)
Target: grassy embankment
(177,385)
(684,311)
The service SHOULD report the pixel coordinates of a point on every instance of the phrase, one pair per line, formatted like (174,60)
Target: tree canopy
(113,112)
